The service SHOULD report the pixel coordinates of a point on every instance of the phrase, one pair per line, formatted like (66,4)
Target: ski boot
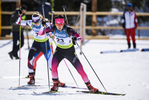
(55,85)
(60,84)
(16,57)
(91,88)
(11,55)
(129,45)
(134,45)
(32,79)
(27,76)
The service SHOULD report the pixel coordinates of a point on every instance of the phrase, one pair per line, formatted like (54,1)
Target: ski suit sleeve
(24,22)
(47,30)
(123,20)
(72,32)
(135,20)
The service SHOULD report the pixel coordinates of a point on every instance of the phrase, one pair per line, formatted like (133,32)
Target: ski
(111,51)
(129,50)
(66,86)
(26,87)
(34,86)
(56,93)
(31,85)
(103,93)
(47,92)
(145,49)
(73,87)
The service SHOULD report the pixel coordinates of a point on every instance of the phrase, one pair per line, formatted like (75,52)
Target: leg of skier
(57,58)
(128,37)
(72,57)
(49,53)
(34,55)
(133,33)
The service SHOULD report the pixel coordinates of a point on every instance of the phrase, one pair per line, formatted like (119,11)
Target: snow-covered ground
(119,72)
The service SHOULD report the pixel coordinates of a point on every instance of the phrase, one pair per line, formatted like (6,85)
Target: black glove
(43,22)
(74,39)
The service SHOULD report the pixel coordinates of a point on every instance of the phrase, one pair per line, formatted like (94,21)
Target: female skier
(65,49)
(39,46)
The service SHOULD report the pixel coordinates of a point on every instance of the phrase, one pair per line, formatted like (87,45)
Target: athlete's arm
(74,33)
(24,22)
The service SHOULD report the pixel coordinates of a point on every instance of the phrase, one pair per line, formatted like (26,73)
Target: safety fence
(87,13)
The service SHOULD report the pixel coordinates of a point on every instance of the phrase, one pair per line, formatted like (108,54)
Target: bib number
(60,41)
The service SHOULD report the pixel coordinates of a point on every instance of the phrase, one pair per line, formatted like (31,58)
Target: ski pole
(27,38)
(52,17)
(71,73)
(19,53)
(28,44)
(46,50)
(91,67)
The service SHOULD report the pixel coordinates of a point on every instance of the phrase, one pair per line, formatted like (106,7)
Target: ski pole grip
(63,6)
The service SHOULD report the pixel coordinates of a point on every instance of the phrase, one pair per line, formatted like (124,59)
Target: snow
(119,72)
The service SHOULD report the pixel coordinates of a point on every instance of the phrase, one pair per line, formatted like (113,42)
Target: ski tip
(103,93)
(123,94)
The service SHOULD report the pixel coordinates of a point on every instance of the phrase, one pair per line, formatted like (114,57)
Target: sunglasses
(59,24)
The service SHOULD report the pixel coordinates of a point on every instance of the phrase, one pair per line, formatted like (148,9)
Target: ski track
(119,72)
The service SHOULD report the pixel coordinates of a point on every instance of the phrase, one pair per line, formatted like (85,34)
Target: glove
(79,38)
(74,39)
(52,36)
(44,21)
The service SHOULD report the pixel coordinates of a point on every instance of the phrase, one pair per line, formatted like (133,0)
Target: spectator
(130,23)
(16,30)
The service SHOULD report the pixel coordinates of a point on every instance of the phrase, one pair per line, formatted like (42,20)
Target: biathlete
(65,49)
(39,46)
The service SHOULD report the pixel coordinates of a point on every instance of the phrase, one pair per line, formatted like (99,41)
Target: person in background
(130,23)
(16,31)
